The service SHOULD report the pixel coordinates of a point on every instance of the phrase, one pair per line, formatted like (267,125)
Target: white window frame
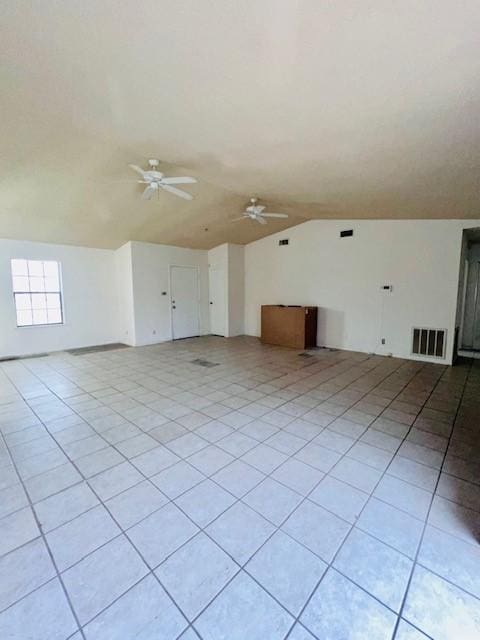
(59,292)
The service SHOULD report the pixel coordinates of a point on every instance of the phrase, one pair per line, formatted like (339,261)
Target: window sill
(36,326)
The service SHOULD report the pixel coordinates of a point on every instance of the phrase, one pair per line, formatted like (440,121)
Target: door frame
(466,271)
(476,303)
(197,270)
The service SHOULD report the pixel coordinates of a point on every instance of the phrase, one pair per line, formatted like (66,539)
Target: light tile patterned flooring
(272,496)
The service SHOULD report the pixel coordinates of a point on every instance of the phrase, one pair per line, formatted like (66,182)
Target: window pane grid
(37,293)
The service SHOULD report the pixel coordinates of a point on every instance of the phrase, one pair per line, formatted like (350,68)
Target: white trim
(466,271)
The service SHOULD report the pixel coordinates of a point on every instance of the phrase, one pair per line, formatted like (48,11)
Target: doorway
(468,305)
(471,314)
(217,301)
(184,297)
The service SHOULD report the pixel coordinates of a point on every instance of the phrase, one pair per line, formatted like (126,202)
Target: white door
(217,301)
(184,300)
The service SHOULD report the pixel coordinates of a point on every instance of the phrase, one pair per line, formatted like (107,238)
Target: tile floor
(272,496)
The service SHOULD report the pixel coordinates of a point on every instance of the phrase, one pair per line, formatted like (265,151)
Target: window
(37,292)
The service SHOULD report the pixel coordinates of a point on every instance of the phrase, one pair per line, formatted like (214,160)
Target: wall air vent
(282,243)
(429,342)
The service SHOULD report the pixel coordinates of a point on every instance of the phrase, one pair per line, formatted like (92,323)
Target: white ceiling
(341,108)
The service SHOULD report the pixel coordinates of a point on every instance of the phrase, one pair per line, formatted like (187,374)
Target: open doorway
(468,305)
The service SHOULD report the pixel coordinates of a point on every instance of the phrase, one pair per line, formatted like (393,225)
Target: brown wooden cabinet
(289,326)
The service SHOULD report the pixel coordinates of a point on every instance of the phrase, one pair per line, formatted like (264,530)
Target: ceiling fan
(155,180)
(256,212)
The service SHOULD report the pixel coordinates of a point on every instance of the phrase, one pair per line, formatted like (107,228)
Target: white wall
(229,259)
(343,276)
(89,298)
(236,290)
(124,283)
(150,277)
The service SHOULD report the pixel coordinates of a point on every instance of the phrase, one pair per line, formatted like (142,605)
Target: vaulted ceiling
(340,109)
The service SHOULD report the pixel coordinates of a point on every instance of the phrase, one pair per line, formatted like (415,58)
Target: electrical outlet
(154,332)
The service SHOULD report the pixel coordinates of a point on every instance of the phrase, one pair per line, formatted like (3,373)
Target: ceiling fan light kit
(256,212)
(156,180)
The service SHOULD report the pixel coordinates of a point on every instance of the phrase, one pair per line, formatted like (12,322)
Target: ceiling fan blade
(179,180)
(275,215)
(255,208)
(149,191)
(177,192)
(240,218)
(137,169)
(261,220)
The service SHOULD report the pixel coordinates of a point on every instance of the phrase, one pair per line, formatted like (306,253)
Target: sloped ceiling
(341,109)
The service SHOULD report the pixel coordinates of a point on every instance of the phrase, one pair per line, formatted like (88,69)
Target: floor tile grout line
(151,570)
(52,559)
(207,445)
(99,434)
(444,579)
(297,619)
(118,536)
(332,365)
(259,442)
(164,505)
(419,545)
(233,394)
(290,456)
(331,563)
(191,430)
(172,465)
(169,500)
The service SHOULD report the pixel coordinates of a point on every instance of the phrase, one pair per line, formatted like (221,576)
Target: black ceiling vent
(346,234)
(283,242)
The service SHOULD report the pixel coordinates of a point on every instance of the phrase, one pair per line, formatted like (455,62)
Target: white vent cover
(429,342)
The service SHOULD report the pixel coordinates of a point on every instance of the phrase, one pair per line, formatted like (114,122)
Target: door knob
(174,307)
(211,302)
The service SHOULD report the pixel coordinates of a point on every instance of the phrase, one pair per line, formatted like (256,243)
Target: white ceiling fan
(155,180)
(256,212)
